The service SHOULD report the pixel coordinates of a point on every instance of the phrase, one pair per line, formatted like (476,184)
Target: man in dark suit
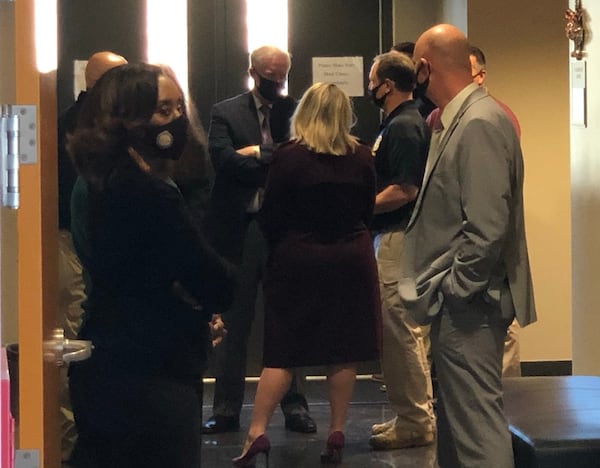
(465,256)
(244,131)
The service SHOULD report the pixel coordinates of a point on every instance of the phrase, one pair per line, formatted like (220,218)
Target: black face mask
(269,89)
(378,101)
(163,141)
(420,88)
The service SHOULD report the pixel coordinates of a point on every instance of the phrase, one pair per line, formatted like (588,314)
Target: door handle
(61,351)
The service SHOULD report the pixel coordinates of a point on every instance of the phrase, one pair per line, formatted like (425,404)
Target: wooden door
(37,231)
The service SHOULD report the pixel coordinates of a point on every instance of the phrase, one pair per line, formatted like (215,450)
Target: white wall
(455,12)
(585,198)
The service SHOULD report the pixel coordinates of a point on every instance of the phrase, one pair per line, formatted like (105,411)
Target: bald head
(98,64)
(442,53)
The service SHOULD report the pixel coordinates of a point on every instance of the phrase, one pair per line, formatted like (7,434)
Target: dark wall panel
(87,26)
(338,28)
(217,52)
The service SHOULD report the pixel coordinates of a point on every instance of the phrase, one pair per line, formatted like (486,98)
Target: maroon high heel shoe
(260,445)
(333,450)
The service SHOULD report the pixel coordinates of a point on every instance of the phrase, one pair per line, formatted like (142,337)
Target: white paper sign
(345,72)
(578,75)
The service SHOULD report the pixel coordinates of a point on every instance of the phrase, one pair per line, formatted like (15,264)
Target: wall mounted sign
(345,72)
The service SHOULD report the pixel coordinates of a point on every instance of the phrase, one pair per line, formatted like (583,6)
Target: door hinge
(27,458)
(9,157)
(18,145)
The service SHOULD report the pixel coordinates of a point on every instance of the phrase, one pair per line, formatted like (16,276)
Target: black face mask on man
(269,89)
(421,88)
(164,141)
(378,101)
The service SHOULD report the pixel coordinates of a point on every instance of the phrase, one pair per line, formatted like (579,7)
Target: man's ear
(483,76)
(420,68)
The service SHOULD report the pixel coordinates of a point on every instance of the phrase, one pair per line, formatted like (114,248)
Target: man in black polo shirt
(400,152)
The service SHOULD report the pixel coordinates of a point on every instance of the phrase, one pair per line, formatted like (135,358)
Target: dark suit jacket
(66,170)
(234,124)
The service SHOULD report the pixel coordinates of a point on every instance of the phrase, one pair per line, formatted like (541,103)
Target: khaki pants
(511,359)
(404,358)
(71,294)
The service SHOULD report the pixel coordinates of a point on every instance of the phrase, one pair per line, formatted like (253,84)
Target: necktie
(266,139)
(265,127)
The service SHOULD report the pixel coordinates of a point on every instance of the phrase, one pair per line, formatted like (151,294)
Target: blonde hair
(323,120)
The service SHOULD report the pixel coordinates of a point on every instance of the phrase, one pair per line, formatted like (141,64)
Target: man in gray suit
(465,255)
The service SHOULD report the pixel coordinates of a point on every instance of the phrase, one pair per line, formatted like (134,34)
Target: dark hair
(404,47)
(478,54)
(123,96)
(193,173)
(399,68)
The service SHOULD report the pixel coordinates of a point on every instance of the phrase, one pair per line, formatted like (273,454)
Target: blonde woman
(321,292)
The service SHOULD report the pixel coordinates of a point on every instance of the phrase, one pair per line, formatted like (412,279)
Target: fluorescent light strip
(167,36)
(267,23)
(309,378)
(46,35)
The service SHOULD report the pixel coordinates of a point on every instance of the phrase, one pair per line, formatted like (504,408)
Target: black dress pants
(127,421)
(231,354)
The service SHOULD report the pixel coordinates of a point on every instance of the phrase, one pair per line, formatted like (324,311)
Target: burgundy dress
(322,302)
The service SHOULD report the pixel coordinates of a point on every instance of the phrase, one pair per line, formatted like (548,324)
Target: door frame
(37,240)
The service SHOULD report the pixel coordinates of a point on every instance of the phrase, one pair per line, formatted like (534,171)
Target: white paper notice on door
(345,72)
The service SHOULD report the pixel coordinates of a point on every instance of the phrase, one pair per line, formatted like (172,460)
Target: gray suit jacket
(465,243)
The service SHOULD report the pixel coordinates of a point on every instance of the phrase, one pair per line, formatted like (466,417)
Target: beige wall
(585,194)
(527,55)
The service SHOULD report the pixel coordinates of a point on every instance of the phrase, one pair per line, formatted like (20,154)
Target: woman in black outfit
(154,286)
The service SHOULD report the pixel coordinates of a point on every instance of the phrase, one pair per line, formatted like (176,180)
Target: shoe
(333,449)
(383,427)
(300,422)
(217,424)
(377,378)
(260,445)
(398,438)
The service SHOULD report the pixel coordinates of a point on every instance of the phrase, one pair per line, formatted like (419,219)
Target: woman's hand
(217,329)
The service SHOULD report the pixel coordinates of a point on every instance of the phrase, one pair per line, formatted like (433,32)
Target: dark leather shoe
(218,424)
(300,422)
